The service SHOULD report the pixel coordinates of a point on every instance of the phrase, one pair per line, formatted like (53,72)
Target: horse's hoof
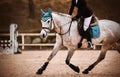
(85,72)
(77,69)
(39,71)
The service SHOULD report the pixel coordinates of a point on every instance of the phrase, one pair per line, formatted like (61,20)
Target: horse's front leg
(73,67)
(43,67)
(57,46)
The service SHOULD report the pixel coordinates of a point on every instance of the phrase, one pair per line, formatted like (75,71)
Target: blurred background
(26,13)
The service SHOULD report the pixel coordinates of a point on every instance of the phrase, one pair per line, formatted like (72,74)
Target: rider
(85,13)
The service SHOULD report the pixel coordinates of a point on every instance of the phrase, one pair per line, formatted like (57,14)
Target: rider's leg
(86,28)
(88,36)
(87,23)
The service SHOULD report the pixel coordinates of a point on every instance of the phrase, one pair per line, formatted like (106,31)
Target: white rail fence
(40,44)
(11,46)
(33,34)
(23,44)
(23,35)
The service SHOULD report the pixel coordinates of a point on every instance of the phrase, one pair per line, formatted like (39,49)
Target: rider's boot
(90,45)
(88,36)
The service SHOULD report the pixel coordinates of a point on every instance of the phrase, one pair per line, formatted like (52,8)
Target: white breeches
(87,23)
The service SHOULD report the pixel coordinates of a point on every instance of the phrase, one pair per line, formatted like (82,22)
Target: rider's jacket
(83,9)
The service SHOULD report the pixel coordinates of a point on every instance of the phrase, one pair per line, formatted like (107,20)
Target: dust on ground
(27,63)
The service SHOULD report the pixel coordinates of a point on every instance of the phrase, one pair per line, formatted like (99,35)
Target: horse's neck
(61,21)
(69,30)
(61,18)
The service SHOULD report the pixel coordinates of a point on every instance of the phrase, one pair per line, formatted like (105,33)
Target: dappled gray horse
(67,35)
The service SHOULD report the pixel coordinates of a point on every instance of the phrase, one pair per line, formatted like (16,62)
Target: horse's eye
(48,21)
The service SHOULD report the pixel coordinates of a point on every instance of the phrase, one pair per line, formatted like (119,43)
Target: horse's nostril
(43,35)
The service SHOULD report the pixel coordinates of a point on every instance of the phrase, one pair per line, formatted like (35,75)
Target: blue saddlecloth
(95,31)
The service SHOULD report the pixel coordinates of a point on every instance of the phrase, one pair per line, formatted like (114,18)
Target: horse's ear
(42,12)
(50,10)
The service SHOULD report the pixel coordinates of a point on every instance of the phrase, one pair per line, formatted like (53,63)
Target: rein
(67,30)
(61,27)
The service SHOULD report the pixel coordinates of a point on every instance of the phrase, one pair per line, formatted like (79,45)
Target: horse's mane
(63,14)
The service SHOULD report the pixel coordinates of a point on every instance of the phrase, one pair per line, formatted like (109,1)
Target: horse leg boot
(40,71)
(73,67)
(104,49)
(54,52)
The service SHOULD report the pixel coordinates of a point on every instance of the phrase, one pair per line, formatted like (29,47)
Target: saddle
(94,28)
(94,21)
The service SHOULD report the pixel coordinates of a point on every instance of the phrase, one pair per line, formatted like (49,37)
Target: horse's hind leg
(104,49)
(73,67)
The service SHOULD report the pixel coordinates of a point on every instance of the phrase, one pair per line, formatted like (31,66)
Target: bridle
(50,28)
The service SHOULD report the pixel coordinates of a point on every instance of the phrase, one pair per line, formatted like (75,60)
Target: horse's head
(47,23)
